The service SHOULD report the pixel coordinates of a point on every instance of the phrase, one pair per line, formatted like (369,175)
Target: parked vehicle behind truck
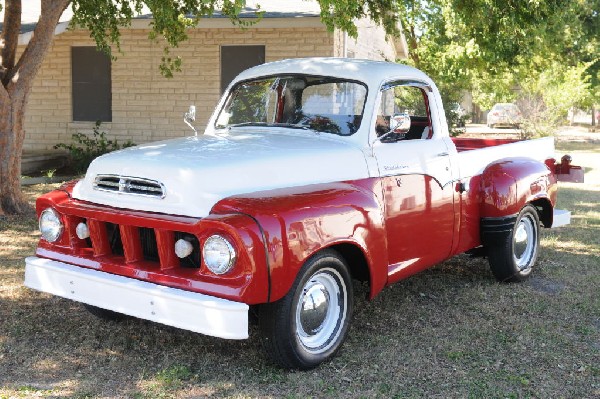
(504,114)
(310,173)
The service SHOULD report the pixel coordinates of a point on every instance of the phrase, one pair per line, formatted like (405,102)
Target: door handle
(442,154)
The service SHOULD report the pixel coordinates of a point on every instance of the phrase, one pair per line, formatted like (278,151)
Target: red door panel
(419,216)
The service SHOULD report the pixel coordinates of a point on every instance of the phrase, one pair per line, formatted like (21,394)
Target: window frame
(425,88)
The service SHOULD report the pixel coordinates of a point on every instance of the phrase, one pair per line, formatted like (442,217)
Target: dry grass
(451,331)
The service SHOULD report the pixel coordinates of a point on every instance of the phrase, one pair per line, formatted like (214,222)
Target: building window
(91,82)
(235,59)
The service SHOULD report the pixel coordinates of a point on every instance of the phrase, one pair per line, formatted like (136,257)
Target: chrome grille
(130,185)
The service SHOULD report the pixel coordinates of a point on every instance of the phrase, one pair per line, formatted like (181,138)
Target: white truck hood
(197,172)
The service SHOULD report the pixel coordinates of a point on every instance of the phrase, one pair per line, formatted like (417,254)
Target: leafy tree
(489,46)
(104,19)
(546,98)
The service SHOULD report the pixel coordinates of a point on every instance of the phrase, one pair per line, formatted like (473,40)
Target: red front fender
(298,222)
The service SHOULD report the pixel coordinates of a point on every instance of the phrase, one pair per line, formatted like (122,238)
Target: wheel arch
(545,210)
(359,265)
(356,260)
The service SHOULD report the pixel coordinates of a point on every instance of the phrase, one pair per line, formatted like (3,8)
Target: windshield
(323,104)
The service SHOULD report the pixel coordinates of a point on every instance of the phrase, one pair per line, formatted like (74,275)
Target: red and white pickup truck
(311,172)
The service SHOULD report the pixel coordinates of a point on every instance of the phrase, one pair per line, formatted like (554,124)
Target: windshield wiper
(242,124)
(293,126)
(288,125)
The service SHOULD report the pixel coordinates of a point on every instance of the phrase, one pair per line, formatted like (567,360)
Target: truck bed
(467,144)
(476,154)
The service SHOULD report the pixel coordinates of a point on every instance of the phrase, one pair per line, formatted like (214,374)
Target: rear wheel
(513,257)
(309,324)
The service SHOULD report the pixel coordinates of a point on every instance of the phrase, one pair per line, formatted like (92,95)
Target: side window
(247,103)
(404,99)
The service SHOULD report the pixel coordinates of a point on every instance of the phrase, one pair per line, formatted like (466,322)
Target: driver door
(415,171)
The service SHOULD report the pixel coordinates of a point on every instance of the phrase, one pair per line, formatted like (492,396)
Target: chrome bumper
(174,307)
(561,218)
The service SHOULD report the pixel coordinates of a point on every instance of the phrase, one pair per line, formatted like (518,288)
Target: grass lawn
(449,332)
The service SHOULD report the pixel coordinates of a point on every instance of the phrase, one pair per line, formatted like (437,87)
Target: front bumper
(174,307)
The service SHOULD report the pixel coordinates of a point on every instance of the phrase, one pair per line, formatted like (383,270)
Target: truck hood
(196,172)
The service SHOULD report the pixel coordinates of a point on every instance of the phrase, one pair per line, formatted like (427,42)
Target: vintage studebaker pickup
(310,172)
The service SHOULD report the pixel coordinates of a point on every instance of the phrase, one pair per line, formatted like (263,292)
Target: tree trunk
(17,81)
(12,135)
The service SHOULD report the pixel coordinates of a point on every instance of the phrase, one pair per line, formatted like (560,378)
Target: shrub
(85,148)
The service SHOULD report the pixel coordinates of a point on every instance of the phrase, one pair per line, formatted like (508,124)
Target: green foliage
(489,47)
(85,148)
(566,86)
(342,14)
(174,375)
(546,98)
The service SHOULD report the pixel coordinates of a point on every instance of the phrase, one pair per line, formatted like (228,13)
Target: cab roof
(373,73)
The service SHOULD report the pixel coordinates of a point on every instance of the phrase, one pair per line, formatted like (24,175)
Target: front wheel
(512,258)
(309,324)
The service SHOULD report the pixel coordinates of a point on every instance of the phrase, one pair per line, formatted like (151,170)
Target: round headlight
(51,225)
(218,254)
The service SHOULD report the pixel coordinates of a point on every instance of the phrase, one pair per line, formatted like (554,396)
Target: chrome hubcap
(524,240)
(321,310)
(315,304)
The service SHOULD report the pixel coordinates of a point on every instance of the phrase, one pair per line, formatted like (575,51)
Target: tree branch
(10,37)
(31,60)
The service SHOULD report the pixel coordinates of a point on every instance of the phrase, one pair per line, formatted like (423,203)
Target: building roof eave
(25,37)
(297,21)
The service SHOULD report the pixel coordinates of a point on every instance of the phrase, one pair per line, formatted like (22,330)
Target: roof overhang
(208,23)
(61,27)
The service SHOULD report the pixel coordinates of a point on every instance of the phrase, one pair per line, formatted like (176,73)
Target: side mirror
(400,123)
(190,117)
